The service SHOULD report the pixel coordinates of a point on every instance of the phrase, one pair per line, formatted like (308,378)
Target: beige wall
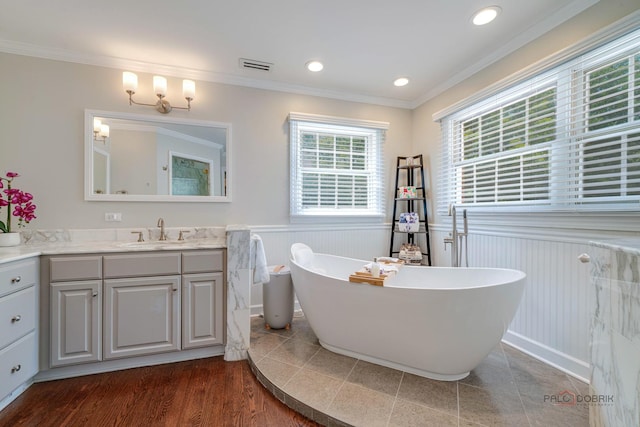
(42,112)
(427,132)
(41,124)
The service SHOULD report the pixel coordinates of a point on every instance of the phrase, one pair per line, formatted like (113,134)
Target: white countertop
(103,240)
(15,253)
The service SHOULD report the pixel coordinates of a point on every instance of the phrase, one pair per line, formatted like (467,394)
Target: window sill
(603,221)
(336,219)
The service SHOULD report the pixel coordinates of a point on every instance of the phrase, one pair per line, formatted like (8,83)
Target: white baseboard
(14,394)
(567,364)
(127,363)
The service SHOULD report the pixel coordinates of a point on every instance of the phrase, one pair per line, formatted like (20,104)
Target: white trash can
(277,298)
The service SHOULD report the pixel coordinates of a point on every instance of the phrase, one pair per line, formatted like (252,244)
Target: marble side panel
(238,294)
(615,339)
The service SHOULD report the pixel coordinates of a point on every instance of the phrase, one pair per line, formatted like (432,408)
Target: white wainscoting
(553,321)
(355,241)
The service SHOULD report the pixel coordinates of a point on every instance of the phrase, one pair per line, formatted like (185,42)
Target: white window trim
(333,122)
(515,87)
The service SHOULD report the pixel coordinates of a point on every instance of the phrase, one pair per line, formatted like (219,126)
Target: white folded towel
(258,261)
(384,268)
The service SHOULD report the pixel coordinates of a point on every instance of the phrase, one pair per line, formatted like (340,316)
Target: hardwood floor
(204,392)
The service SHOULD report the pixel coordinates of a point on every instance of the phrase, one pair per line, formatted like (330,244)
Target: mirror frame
(88,159)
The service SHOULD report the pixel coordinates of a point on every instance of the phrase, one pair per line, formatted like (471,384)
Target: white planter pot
(9,239)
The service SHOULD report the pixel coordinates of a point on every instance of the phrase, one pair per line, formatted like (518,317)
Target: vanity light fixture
(100,131)
(314,66)
(130,85)
(485,15)
(401,81)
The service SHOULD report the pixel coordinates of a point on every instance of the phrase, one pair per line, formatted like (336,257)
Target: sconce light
(130,85)
(100,131)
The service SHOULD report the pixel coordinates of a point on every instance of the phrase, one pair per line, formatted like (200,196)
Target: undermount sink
(153,243)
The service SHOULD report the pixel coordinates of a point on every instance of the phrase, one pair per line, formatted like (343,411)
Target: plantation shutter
(336,166)
(565,139)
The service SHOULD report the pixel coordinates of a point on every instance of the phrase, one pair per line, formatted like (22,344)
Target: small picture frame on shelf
(409,222)
(408,192)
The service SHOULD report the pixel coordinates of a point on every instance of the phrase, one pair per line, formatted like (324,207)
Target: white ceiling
(364,44)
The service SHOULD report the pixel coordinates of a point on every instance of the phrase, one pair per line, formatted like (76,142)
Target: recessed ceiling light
(402,81)
(315,66)
(486,15)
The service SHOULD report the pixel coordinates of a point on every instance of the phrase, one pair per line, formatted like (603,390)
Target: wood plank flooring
(204,392)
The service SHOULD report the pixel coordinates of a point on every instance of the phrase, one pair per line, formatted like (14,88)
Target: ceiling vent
(252,64)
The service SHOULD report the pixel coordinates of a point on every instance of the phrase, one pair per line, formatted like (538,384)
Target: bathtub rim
(517,275)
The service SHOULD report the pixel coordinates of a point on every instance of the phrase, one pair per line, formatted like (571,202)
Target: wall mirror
(134,157)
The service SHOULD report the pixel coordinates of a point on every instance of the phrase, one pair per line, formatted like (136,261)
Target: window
(566,139)
(336,166)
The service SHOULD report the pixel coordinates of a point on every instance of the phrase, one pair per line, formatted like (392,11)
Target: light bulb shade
(189,89)
(129,81)
(97,123)
(314,66)
(486,15)
(401,81)
(160,85)
(104,131)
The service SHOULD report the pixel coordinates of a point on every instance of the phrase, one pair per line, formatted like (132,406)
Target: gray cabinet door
(142,316)
(75,322)
(202,310)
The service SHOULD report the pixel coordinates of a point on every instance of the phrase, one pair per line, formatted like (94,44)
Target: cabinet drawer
(202,261)
(18,275)
(18,363)
(147,264)
(64,269)
(17,315)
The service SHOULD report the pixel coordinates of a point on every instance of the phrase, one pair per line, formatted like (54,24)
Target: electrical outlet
(113,216)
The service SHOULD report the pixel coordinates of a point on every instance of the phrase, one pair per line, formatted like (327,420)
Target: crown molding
(56,54)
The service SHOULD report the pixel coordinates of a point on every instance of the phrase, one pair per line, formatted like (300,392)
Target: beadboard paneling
(552,322)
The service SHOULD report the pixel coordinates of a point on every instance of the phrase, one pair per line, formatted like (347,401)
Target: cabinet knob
(16,318)
(95,294)
(16,279)
(16,369)
(584,258)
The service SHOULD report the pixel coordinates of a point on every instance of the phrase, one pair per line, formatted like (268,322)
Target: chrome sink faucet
(163,235)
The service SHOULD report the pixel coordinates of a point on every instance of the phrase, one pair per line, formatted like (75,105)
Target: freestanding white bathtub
(436,322)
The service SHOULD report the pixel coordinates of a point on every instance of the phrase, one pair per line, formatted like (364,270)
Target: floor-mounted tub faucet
(456,237)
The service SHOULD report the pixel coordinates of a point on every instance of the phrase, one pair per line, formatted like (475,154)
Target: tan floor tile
(408,414)
(491,407)
(261,344)
(376,377)
(550,415)
(507,388)
(330,363)
(294,352)
(439,395)
(361,407)
(313,388)
(276,371)
(492,372)
(302,330)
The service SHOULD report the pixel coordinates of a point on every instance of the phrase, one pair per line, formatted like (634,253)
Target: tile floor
(507,389)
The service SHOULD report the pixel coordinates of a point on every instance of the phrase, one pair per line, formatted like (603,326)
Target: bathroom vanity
(103,307)
(76,307)
(18,319)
